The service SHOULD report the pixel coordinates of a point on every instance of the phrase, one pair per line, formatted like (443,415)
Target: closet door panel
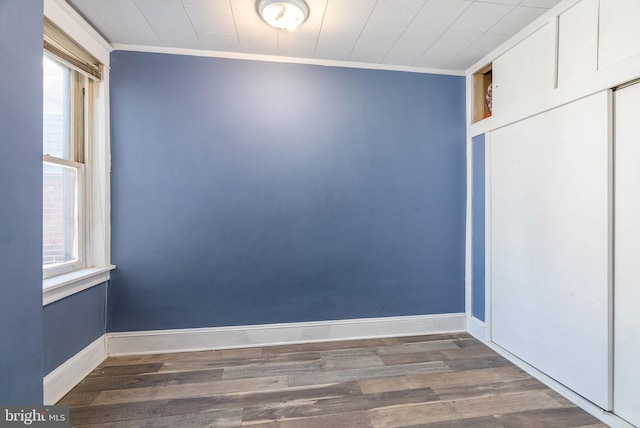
(627,251)
(550,245)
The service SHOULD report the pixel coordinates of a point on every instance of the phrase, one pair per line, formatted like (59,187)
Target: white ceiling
(440,34)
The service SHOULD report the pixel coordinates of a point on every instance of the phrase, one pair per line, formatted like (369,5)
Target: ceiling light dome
(283,14)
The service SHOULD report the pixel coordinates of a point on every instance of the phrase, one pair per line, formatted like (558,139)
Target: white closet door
(550,247)
(627,251)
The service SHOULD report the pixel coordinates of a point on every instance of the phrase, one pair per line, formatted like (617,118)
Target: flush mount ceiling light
(283,14)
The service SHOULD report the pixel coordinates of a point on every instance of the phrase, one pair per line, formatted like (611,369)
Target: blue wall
(253,192)
(71,324)
(21,196)
(478,227)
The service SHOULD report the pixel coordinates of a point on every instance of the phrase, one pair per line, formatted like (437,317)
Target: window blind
(63,47)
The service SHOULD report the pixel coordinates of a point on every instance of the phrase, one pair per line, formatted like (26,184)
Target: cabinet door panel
(550,245)
(619,31)
(525,70)
(578,41)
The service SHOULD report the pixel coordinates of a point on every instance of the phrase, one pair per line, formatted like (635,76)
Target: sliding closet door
(550,247)
(627,251)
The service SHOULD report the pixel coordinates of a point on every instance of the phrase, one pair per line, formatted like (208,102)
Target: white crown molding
(201,339)
(283,59)
(62,380)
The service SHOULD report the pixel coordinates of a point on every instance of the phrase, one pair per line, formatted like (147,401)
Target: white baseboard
(476,328)
(60,381)
(201,339)
(608,418)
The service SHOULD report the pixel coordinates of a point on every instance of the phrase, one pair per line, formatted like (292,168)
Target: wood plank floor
(424,381)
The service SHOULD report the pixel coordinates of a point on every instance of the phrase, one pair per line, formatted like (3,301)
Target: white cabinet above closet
(619,31)
(525,70)
(577,41)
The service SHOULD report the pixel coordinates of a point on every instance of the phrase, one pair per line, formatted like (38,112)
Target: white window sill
(61,286)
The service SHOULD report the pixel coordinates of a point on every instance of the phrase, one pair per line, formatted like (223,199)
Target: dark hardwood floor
(426,381)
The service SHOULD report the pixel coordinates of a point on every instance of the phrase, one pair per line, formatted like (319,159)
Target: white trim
(200,339)
(607,417)
(476,328)
(60,381)
(468,249)
(69,21)
(61,286)
(488,265)
(284,59)
(98,189)
(610,244)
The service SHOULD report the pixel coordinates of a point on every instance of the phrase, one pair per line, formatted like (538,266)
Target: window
(76,158)
(64,129)
(69,75)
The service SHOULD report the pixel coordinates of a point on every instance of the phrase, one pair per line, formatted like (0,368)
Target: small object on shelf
(489,99)
(483,93)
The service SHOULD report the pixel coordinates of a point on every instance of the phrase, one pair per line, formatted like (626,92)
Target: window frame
(75,36)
